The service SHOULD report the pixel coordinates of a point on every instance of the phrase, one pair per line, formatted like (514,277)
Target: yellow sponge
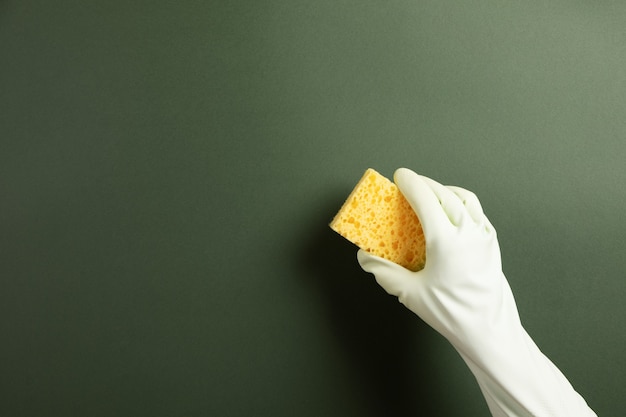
(377,218)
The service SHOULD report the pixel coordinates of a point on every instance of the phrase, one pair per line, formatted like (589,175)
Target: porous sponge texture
(377,218)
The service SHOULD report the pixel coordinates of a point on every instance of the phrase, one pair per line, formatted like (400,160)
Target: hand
(461,290)
(463,294)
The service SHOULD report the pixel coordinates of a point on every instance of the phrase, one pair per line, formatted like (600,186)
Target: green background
(168,170)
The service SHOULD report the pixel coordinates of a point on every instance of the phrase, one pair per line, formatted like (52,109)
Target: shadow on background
(387,345)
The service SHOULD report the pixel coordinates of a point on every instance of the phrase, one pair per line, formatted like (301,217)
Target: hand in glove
(463,294)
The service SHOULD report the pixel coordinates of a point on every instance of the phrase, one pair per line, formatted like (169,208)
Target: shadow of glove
(463,294)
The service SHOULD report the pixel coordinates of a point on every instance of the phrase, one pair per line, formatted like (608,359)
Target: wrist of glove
(463,294)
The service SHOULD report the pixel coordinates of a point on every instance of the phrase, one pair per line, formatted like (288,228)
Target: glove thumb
(394,278)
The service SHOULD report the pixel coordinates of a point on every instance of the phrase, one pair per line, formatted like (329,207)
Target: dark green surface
(168,170)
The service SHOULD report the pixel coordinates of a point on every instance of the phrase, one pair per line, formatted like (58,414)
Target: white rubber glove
(463,294)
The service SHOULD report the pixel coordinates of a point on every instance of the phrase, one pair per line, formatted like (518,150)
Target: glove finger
(392,277)
(471,203)
(452,205)
(423,200)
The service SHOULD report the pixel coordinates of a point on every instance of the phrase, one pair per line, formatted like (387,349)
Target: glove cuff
(517,379)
